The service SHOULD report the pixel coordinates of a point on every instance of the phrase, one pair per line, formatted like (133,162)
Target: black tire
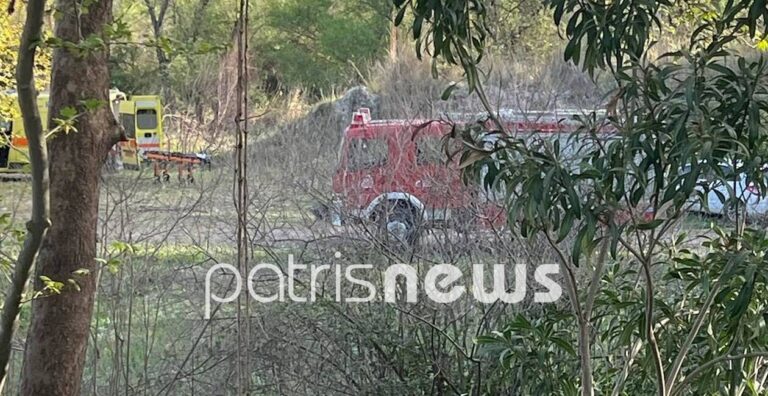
(396,213)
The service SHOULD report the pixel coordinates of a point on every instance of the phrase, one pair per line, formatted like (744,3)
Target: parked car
(717,199)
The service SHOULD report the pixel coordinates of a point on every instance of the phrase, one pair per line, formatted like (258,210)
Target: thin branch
(649,333)
(584,337)
(594,285)
(711,363)
(39,223)
(674,371)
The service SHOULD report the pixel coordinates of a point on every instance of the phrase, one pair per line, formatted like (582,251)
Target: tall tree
(58,334)
(38,156)
(157,11)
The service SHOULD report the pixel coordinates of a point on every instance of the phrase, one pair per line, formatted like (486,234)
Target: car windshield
(366,153)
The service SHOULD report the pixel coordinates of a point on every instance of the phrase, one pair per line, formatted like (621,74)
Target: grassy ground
(148,316)
(16,199)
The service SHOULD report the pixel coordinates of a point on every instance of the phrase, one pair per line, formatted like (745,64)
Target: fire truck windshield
(366,153)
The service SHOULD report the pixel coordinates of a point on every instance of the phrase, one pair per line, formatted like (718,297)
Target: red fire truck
(393,174)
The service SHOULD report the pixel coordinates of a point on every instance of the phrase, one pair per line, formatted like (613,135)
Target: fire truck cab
(394,173)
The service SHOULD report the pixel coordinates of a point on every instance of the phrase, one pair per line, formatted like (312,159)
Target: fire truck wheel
(399,222)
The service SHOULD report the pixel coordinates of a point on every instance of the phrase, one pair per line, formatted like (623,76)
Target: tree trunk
(38,157)
(58,333)
(393,38)
(157,17)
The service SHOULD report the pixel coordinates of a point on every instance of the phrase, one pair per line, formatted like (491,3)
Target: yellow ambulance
(14,151)
(141,117)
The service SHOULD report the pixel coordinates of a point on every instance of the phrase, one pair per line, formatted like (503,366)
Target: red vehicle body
(394,172)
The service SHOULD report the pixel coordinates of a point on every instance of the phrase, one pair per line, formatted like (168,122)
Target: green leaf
(68,113)
(650,225)
(93,104)
(578,244)
(486,340)
(566,226)
(762,45)
(400,15)
(74,284)
(448,90)
(564,345)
